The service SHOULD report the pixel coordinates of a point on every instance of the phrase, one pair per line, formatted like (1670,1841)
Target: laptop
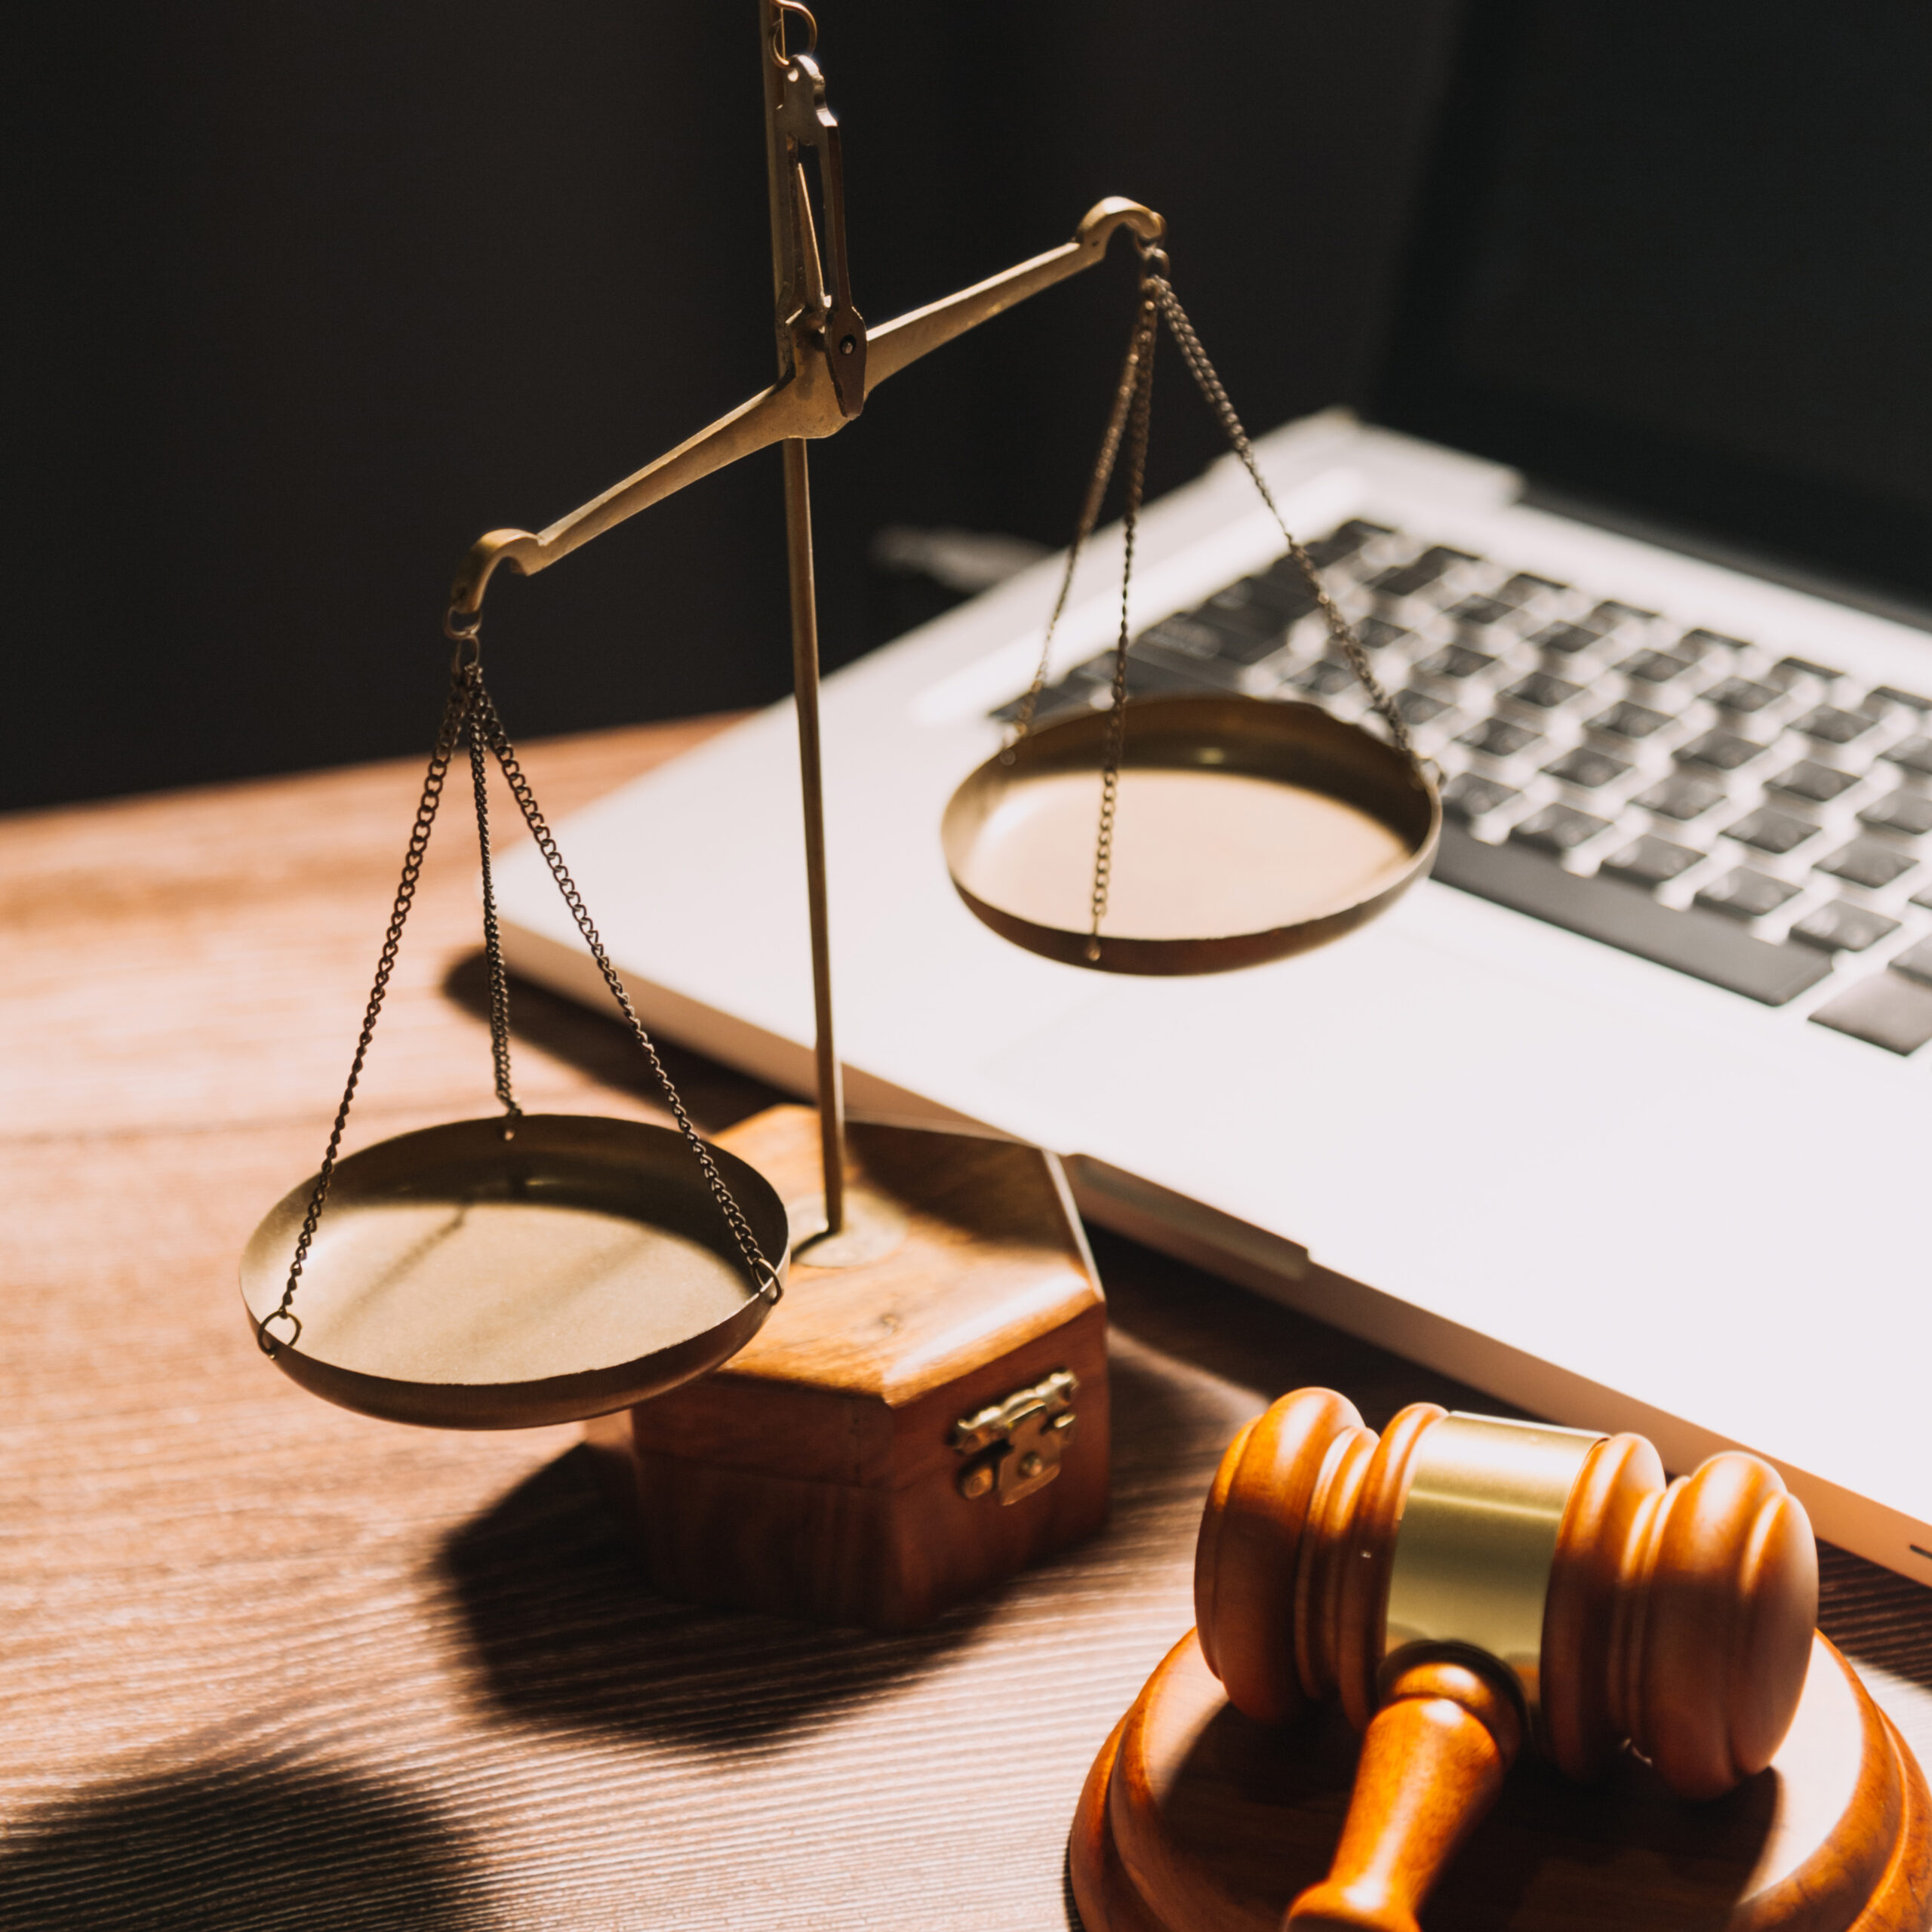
(1625,1114)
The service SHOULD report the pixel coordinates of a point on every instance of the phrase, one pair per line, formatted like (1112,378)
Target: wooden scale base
(820,1472)
(1195,1818)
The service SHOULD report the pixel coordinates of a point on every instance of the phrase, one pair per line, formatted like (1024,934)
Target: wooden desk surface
(267,1664)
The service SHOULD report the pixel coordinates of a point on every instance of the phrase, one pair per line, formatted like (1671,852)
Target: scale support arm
(893,345)
(805,404)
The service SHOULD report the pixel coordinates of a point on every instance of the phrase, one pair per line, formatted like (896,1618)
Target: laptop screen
(1679,258)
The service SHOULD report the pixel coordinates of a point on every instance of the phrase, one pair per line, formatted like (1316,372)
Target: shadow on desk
(234,1846)
(597,1043)
(566,1632)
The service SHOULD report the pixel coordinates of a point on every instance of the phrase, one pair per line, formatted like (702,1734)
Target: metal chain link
(1129,421)
(454,713)
(762,1270)
(492,938)
(1090,515)
(1339,629)
(1147,326)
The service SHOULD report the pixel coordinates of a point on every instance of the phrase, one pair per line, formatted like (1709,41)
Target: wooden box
(899,1435)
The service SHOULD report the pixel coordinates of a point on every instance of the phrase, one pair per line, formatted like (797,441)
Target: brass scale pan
(1231,830)
(465,1280)
(511,1273)
(1246,830)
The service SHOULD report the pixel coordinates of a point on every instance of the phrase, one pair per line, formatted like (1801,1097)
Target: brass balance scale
(523,1270)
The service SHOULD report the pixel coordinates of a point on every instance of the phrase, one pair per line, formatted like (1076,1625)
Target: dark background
(308,297)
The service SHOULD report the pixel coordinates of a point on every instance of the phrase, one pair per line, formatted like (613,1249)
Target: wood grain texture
(267,1664)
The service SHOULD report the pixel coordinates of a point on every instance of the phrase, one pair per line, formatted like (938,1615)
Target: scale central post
(798,304)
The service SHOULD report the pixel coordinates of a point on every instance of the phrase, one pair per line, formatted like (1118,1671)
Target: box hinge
(1013,1447)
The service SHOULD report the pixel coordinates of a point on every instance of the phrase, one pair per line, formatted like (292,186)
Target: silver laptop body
(1619,1194)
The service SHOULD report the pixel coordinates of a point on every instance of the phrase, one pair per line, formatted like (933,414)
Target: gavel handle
(1431,1764)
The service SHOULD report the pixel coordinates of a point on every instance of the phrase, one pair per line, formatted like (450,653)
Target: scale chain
(762,1272)
(1128,420)
(454,713)
(1090,515)
(492,939)
(1147,323)
(1339,629)
(470,710)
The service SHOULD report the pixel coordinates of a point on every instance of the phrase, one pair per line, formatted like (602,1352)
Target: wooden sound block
(1195,1818)
(819,1473)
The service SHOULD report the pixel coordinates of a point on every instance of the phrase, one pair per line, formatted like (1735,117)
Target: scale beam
(804,405)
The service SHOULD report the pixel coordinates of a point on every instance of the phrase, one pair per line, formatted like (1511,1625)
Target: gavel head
(1556,1562)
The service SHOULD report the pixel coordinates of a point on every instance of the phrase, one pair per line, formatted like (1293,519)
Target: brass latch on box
(1013,1447)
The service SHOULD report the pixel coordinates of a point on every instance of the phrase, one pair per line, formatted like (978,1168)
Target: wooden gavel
(1462,1580)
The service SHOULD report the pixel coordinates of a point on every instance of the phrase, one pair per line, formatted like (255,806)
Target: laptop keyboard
(1762,822)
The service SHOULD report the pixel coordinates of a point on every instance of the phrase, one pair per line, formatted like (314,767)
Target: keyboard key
(1455,660)
(1923,899)
(1288,596)
(1866,863)
(1787,670)
(1722,751)
(1405,579)
(1543,691)
(1585,766)
(1807,779)
(1479,610)
(1889,694)
(1704,945)
(1565,640)
(1154,675)
(1525,584)
(1242,632)
(1378,634)
(1885,1010)
(1743,694)
(1915,961)
(1188,635)
(1682,795)
(1340,544)
(1654,667)
(1418,707)
(1908,812)
(1500,737)
(1914,754)
(1834,726)
(1610,613)
(1838,927)
(1234,613)
(1324,677)
(1245,634)
(1558,828)
(1625,719)
(1699,643)
(1651,860)
(1470,794)
(1055,701)
(1771,830)
(1745,894)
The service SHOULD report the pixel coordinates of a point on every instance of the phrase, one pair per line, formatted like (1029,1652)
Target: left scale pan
(529,1269)
(464,1280)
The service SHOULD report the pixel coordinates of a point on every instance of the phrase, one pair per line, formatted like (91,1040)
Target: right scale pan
(1244,830)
